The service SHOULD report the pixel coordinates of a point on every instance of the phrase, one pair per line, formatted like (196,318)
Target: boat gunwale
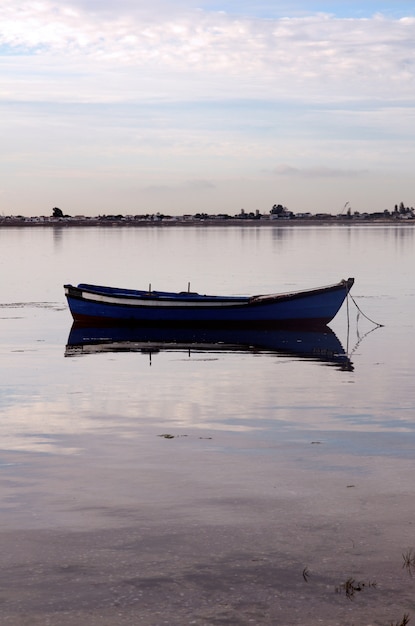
(130,297)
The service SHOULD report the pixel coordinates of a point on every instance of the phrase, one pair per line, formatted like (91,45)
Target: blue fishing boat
(94,304)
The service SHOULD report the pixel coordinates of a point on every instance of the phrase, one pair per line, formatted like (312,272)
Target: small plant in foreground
(409,561)
(404,621)
(351,586)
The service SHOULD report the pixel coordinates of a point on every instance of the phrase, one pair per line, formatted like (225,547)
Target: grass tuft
(409,561)
(351,586)
(404,621)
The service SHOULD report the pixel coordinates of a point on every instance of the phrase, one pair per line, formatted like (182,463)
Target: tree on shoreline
(57,212)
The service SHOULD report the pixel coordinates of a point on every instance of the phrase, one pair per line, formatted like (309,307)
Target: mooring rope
(359,337)
(348,322)
(361,312)
(359,341)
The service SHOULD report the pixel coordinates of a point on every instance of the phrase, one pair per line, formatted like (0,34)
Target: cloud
(189,185)
(187,103)
(152,50)
(201,184)
(317,172)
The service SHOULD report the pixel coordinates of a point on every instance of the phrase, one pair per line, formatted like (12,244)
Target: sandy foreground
(205,528)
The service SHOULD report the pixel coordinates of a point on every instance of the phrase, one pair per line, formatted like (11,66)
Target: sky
(188,106)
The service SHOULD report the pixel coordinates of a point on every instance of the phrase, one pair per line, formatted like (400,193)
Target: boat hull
(105,305)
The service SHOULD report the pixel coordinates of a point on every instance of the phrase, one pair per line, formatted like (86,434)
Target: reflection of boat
(318,345)
(96,304)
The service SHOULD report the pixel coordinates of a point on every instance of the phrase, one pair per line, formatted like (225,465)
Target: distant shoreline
(207,223)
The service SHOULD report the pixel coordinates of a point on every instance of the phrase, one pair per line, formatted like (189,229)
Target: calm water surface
(109,407)
(213,390)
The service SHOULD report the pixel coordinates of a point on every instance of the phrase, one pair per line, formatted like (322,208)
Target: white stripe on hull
(130,302)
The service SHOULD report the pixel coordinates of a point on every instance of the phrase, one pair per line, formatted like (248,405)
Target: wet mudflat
(206,531)
(283,492)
